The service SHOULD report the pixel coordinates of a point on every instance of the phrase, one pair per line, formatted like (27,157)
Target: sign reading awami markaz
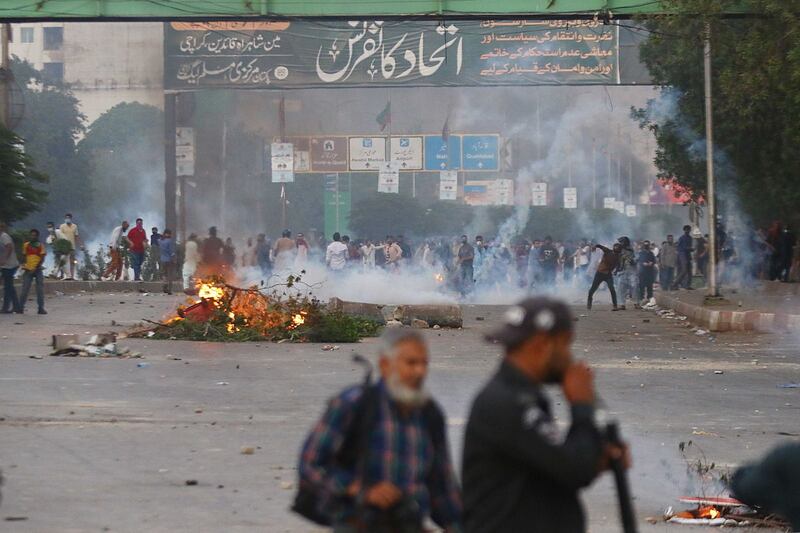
(362,53)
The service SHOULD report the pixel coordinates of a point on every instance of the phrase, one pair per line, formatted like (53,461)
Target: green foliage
(125,149)
(756,83)
(51,125)
(62,246)
(20,196)
(338,327)
(382,214)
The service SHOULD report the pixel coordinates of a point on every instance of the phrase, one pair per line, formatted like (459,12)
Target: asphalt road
(103,445)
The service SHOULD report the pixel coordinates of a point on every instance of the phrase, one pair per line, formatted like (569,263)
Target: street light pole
(713,291)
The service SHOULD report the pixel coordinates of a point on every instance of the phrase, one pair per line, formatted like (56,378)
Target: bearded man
(378,458)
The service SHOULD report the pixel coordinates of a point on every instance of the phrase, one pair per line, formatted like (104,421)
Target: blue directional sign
(480,152)
(441,154)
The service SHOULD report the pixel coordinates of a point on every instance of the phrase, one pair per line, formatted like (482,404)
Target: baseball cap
(529,317)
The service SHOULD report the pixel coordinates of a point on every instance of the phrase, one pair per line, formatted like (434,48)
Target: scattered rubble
(99,345)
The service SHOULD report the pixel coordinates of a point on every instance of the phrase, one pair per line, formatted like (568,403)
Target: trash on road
(100,345)
(248,450)
(789,386)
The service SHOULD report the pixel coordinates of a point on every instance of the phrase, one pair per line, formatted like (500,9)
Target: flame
(298,319)
(208,291)
(439,277)
(230,326)
(708,512)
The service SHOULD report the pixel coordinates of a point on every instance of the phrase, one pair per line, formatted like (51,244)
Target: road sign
(503,191)
(367,153)
(302,156)
(539,194)
(480,152)
(448,185)
(609,202)
(570,197)
(329,154)
(630,210)
(389,178)
(478,192)
(184,151)
(407,152)
(337,204)
(282,163)
(441,154)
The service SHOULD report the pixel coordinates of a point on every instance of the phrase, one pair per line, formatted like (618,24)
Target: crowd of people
(629,269)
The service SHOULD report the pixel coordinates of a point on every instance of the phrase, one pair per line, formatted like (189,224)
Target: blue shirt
(167,249)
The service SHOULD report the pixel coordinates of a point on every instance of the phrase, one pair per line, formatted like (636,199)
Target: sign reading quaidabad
(357,53)
(407,152)
(367,153)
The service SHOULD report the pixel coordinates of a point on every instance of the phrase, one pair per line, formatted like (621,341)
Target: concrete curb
(722,320)
(74,287)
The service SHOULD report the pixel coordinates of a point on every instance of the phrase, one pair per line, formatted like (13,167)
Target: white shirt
(336,255)
(191,255)
(583,258)
(11,262)
(116,235)
(368,255)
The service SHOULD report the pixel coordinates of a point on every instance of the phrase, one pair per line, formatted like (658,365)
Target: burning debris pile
(723,512)
(223,312)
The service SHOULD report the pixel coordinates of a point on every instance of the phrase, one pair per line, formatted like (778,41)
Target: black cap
(531,316)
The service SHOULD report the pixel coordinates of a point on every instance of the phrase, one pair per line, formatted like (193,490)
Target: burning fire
(209,291)
(439,277)
(298,319)
(706,511)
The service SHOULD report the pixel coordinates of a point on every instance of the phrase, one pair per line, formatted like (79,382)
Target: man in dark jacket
(518,475)
(605,274)
(773,483)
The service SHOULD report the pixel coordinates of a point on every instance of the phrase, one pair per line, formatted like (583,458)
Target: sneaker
(622,308)
(42,312)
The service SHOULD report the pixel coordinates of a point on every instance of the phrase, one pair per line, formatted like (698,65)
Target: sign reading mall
(339,153)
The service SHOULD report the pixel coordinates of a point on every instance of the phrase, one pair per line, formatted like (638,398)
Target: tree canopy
(756,89)
(18,179)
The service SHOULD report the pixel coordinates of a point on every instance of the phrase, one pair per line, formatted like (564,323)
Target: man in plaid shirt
(401,473)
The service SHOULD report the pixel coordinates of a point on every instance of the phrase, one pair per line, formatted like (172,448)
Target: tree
(51,126)
(125,150)
(20,195)
(756,79)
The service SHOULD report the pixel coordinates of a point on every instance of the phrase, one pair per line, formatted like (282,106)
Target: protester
(548,260)
(33,252)
(368,256)
(772,484)
(248,257)
(229,254)
(116,246)
(647,273)
(168,257)
(465,257)
(404,247)
(518,475)
(378,458)
(302,251)
(701,255)
(336,254)
(191,258)
(284,251)
(263,259)
(685,249)
(211,253)
(69,232)
(393,254)
(626,273)
(786,253)
(8,267)
(667,261)
(52,240)
(155,239)
(605,273)
(137,236)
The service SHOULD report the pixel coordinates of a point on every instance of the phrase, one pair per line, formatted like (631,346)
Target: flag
(282,118)
(384,118)
(446,129)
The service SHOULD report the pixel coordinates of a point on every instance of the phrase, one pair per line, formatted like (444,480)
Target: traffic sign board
(441,154)
(480,152)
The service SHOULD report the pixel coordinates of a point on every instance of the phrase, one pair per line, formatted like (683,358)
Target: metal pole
(608,183)
(224,182)
(713,292)
(414,184)
(5,77)
(594,175)
(170,170)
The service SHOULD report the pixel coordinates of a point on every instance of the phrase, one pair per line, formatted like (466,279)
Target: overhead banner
(361,53)
(448,185)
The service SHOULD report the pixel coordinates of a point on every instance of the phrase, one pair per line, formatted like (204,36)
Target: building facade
(105,63)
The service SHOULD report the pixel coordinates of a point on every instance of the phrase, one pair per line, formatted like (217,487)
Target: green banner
(371,53)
